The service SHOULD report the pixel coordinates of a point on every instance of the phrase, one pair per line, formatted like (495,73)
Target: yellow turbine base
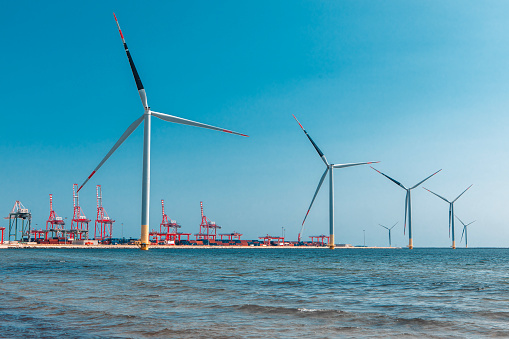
(454,245)
(410,243)
(144,238)
(331,242)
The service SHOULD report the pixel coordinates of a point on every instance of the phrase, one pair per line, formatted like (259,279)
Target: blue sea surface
(253,293)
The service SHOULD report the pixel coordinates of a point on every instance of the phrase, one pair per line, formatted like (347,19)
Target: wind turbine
(451,212)
(389,229)
(465,231)
(408,205)
(329,170)
(148,113)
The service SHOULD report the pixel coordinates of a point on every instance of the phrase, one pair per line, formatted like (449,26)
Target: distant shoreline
(70,246)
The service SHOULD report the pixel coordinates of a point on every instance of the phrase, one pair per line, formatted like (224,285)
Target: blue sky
(418,85)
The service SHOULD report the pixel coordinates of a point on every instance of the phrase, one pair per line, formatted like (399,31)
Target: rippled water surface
(250,293)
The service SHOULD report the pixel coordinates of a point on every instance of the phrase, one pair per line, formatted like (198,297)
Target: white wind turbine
(329,169)
(389,229)
(408,204)
(465,231)
(451,212)
(148,113)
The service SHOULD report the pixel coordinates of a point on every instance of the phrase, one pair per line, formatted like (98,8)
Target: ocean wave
(290,310)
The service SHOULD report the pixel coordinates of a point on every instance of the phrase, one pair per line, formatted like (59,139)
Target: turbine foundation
(144,238)
(331,242)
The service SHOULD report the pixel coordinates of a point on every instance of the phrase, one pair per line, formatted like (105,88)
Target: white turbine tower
(148,113)
(465,231)
(329,170)
(451,212)
(408,204)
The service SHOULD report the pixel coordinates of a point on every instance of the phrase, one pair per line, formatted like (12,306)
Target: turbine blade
(314,197)
(406,210)
(450,221)
(139,85)
(391,179)
(444,199)
(354,164)
(460,220)
(470,223)
(464,227)
(124,136)
(320,153)
(177,120)
(462,193)
(383,226)
(425,179)
(394,225)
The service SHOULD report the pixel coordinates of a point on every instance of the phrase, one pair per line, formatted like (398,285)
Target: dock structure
(268,239)
(20,223)
(39,235)
(179,237)
(156,237)
(322,240)
(230,236)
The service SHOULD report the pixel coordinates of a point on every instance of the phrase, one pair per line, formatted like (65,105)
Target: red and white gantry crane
(208,229)
(79,223)
(54,224)
(103,224)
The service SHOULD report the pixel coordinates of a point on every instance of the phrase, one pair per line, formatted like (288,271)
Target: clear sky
(417,85)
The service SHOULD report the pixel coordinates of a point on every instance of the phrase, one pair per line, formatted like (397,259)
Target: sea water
(253,293)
